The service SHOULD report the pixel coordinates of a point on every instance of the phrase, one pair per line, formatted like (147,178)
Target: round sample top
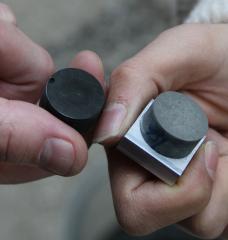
(174,125)
(75,97)
(180,117)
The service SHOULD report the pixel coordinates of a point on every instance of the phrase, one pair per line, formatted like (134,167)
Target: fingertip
(63,157)
(211,158)
(90,62)
(81,151)
(109,129)
(6,14)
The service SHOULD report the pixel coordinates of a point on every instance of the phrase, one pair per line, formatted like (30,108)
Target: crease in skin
(215,102)
(216,114)
(145,181)
(213,89)
(206,98)
(24,75)
(164,212)
(132,167)
(159,84)
(26,93)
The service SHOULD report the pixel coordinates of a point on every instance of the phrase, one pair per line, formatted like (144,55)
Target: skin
(33,143)
(192,59)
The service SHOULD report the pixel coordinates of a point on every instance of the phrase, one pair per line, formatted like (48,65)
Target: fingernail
(111,122)
(57,156)
(211,158)
(6,14)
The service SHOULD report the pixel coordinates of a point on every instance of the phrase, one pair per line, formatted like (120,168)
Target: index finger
(25,66)
(144,204)
(165,64)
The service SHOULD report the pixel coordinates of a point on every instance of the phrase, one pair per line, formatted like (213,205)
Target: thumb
(32,136)
(163,65)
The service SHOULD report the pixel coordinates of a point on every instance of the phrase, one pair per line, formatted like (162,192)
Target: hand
(33,143)
(192,59)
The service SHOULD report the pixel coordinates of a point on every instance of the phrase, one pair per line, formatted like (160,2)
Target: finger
(213,101)
(145,205)
(165,64)
(15,174)
(211,221)
(30,135)
(25,66)
(220,141)
(90,62)
(7,14)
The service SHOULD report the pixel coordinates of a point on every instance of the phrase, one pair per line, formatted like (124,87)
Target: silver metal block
(135,147)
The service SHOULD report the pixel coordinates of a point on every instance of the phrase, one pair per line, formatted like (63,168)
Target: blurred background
(80,207)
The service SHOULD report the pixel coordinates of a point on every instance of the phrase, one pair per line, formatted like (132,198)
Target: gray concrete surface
(79,207)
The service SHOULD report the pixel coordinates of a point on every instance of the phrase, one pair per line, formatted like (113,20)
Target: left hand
(34,144)
(192,59)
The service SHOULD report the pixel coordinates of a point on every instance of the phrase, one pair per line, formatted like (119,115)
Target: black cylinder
(75,97)
(173,125)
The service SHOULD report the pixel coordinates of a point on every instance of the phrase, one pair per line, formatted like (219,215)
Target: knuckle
(125,71)
(132,216)
(46,65)
(197,197)
(123,79)
(127,214)
(201,196)
(44,69)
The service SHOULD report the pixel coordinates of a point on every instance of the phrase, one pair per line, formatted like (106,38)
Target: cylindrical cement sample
(75,97)
(174,124)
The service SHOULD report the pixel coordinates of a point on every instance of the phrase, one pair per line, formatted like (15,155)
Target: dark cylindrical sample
(75,97)
(174,125)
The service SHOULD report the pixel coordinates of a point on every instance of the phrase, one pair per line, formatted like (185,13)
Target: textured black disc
(174,124)
(75,97)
